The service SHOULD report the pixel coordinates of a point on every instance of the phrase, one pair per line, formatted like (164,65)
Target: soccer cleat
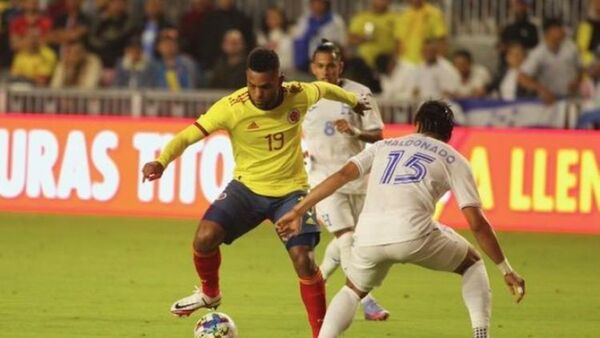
(375,312)
(187,305)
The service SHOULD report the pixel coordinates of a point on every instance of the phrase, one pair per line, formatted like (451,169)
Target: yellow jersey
(379,28)
(266,144)
(34,65)
(417,25)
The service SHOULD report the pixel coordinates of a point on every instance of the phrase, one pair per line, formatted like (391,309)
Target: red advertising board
(531,180)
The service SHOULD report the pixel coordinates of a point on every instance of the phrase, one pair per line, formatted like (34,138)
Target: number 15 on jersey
(416,163)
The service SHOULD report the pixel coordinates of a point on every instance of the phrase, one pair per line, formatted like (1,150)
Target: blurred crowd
(400,54)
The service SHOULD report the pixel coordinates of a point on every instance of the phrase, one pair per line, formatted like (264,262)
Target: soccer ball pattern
(215,325)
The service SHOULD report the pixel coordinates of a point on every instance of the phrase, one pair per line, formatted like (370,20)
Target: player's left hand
(343,126)
(363,105)
(516,284)
(289,225)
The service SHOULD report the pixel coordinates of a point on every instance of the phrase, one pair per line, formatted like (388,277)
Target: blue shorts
(239,210)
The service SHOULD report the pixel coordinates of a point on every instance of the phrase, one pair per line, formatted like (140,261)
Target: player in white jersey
(407,177)
(333,134)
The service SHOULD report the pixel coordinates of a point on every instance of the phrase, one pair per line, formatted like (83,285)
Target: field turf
(67,277)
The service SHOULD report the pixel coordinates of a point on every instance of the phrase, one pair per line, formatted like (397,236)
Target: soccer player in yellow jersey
(419,22)
(264,122)
(372,29)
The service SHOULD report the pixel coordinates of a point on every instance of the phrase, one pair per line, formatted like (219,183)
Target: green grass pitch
(68,277)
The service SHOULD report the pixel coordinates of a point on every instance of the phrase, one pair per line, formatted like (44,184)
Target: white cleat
(187,305)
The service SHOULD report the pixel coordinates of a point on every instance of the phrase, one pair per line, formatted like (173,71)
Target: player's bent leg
(209,235)
(207,260)
(372,310)
(207,257)
(236,211)
(301,251)
(476,293)
(344,242)
(341,311)
(471,258)
(312,284)
(335,214)
(303,259)
(445,250)
(331,259)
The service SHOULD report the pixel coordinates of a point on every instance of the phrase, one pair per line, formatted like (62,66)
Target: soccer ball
(215,325)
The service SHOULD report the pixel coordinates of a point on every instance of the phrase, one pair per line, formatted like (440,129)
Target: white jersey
(329,149)
(408,175)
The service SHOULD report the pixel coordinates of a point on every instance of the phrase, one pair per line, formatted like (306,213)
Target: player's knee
(208,237)
(471,258)
(303,261)
(304,266)
(360,293)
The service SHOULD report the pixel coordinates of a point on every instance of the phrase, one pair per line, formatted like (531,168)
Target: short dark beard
(275,102)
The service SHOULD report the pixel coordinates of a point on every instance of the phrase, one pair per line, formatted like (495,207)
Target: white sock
(331,260)
(340,313)
(480,332)
(478,298)
(368,299)
(344,243)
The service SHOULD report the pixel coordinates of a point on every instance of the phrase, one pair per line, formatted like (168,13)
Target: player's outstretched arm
(289,224)
(188,136)
(359,103)
(487,240)
(370,136)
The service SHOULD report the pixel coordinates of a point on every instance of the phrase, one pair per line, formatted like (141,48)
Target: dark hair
(168,34)
(437,118)
(327,4)
(329,47)
(382,62)
(464,54)
(284,20)
(515,44)
(262,60)
(551,23)
(134,41)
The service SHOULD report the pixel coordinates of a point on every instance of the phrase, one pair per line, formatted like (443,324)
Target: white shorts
(340,211)
(443,249)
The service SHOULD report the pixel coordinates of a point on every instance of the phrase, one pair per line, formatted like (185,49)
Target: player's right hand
(289,225)
(152,171)
(362,105)
(516,285)
(343,126)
